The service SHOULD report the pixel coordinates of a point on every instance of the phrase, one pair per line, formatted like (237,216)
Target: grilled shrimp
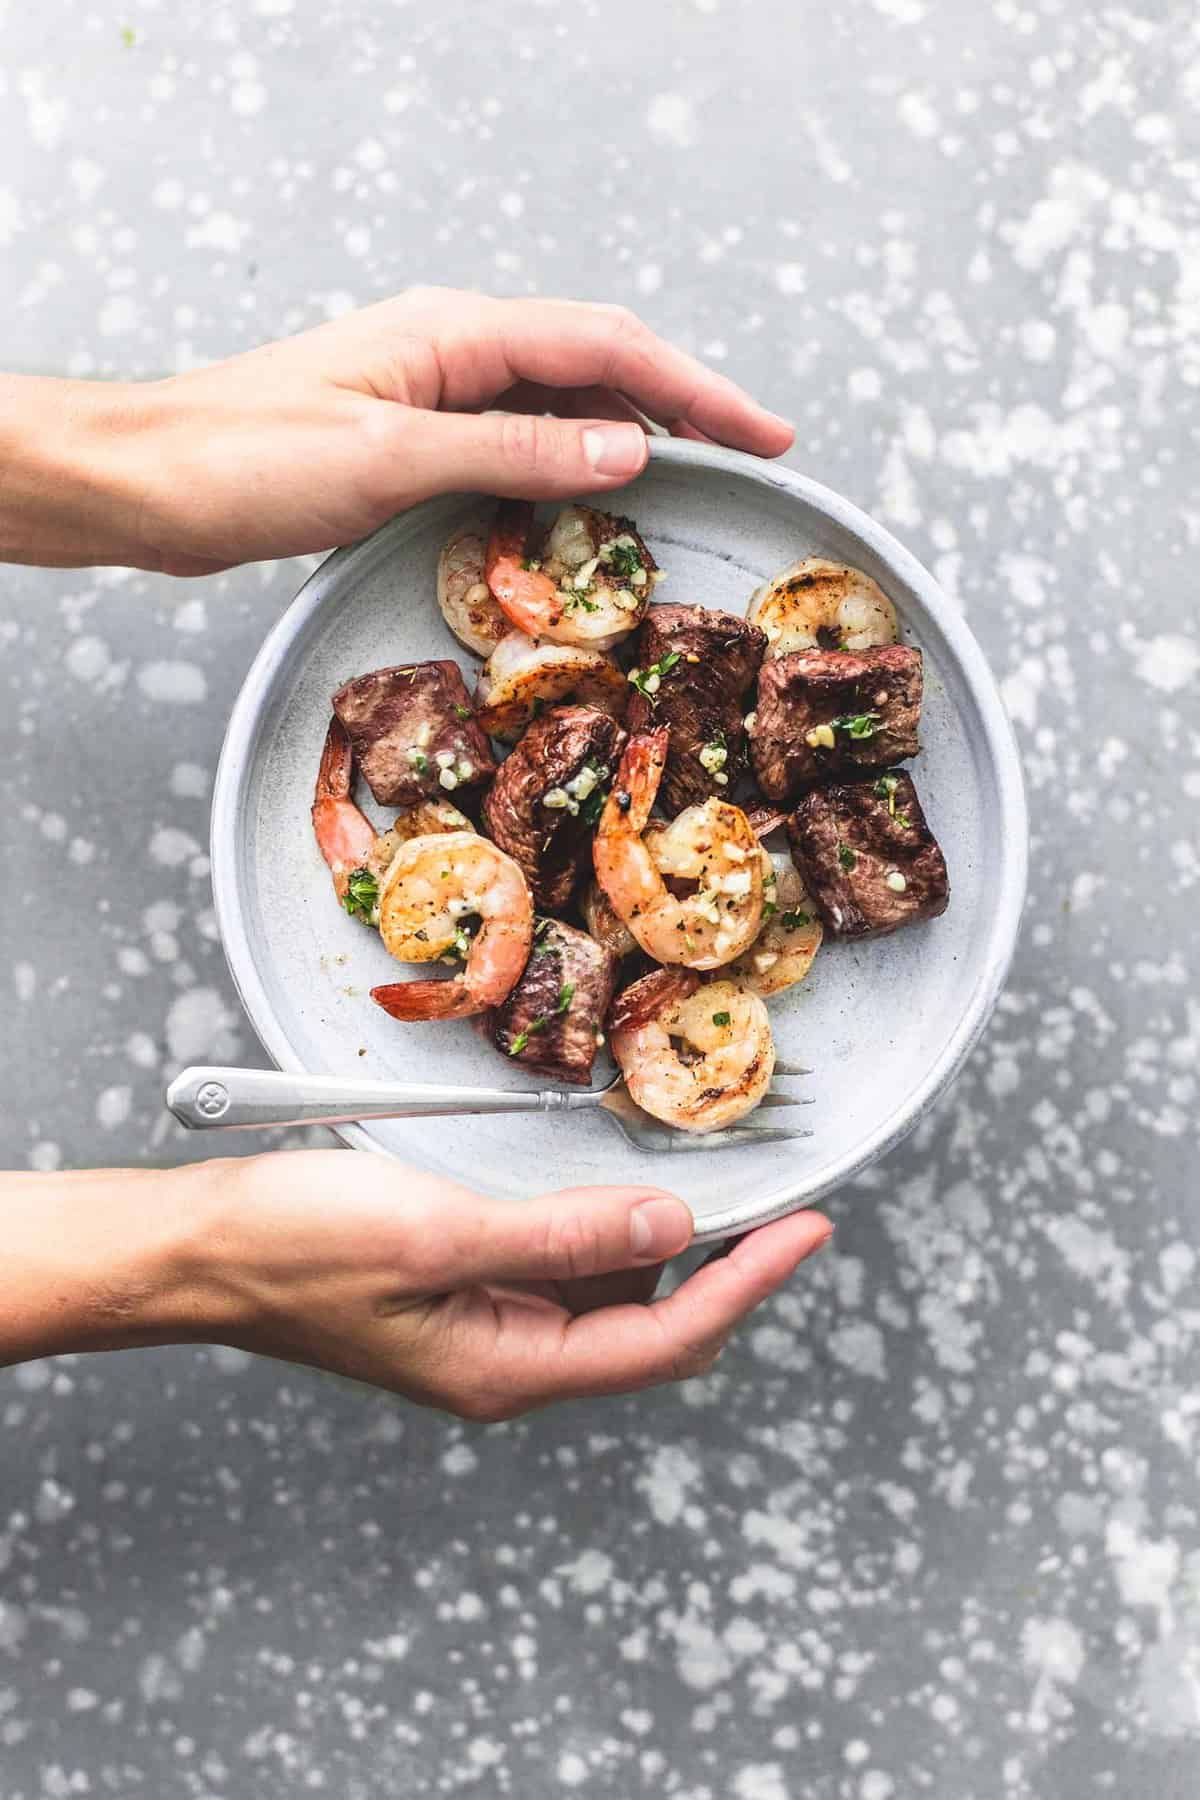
(463,594)
(591,584)
(432,891)
(712,845)
(822,605)
(697,1056)
(357,854)
(520,678)
(345,836)
(783,952)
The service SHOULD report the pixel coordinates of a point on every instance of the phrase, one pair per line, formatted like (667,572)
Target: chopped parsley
(846,856)
(566,994)
(721,1018)
(857,725)
(885,789)
(573,599)
(419,760)
(522,1038)
(769,909)
(792,921)
(464,712)
(623,559)
(362,895)
(646,681)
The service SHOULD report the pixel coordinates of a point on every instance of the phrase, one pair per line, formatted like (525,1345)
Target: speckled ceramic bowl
(884,1025)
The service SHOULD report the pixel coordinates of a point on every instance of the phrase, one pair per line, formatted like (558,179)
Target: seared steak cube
(694,669)
(867,856)
(413,732)
(551,1023)
(543,805)
(830,713)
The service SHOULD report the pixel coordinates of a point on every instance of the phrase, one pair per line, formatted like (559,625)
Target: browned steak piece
(694,669)
(543,805)
(824,713)
(551,1022)
(413,732)
(867,856)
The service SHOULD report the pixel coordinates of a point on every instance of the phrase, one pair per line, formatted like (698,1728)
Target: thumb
(518,456)
(560,1237)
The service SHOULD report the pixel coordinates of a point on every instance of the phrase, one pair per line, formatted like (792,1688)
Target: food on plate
(567,819)
(867,856)
(552,1022)
(712,848)
(543,805)
(694,669)
(698,1056)
(782,953)
(454,897)
(587,582)
(521,678)
(413,732)
(603,923)
(463,594)
(820,605)
(827,714)
(345,836)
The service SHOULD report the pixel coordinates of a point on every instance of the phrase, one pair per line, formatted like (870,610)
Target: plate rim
(999,739)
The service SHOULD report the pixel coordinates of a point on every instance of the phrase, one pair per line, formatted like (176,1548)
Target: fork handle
(206,1099)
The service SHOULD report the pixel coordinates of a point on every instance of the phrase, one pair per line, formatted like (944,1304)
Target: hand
(484,1308)
(314,441)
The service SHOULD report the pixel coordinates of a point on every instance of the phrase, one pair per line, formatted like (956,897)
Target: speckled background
(933,1528)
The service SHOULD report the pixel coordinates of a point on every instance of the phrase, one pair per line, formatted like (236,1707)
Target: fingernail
(615,449)
(659,1228)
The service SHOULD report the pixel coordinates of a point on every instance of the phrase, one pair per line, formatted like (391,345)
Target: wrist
(69,493)
(108,1259)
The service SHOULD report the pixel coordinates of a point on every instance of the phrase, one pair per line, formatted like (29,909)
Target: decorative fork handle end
(207,1098)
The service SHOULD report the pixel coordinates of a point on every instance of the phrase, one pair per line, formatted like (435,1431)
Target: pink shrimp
(529,598)
(434,886)
(345,836)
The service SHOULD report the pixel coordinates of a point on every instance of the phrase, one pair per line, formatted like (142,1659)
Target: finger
(622,1287)
(570,344)
(514,455)
(622,1348)
(567,1236)
(574,403)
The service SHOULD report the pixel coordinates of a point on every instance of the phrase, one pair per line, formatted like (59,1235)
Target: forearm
(104,1260)
(68,495)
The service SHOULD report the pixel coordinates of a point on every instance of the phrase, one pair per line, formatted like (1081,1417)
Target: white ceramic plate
(884,1025)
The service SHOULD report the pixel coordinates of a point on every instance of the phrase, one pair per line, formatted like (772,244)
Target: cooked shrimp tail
(525,594)
(642,1002)
(422,1000)
(345,836)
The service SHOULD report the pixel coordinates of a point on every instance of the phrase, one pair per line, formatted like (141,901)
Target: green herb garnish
(792,921)
(419,760)
(623,559)
(522,1038)
(566,994)
(857,725)
(362,895)
(646,680)
(846,856)
(464,712)
(721,1018)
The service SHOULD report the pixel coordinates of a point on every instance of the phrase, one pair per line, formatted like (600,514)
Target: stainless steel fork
(207,1099)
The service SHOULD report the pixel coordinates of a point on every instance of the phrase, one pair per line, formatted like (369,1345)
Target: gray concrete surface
(933,1528)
